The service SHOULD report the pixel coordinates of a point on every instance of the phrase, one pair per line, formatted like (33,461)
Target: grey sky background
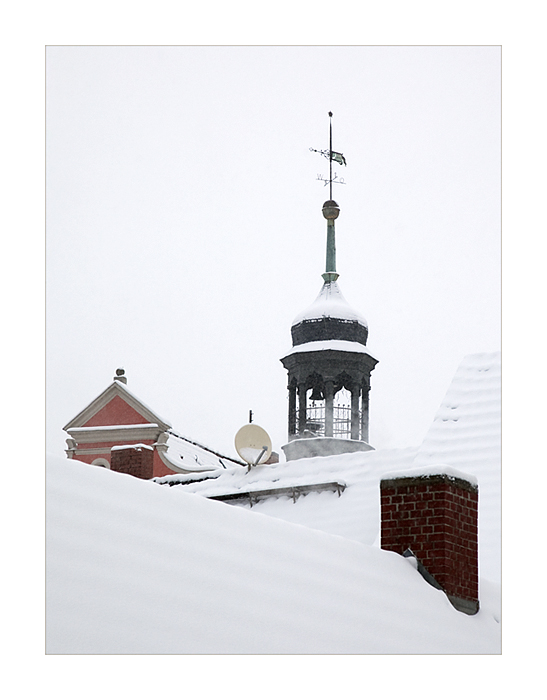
(184,225)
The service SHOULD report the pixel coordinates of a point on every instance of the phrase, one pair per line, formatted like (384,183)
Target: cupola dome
(330,317)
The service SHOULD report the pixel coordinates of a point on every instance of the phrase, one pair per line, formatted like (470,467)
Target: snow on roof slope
(355,514)
(125,426)
(466,434)
(136,568)
(330,303)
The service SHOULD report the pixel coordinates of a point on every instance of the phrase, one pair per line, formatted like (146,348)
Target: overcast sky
(184,225)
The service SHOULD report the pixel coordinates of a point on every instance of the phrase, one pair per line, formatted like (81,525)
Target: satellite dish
(253,444)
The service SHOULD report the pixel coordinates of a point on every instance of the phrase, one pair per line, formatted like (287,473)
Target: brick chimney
(136,460)
(431,513)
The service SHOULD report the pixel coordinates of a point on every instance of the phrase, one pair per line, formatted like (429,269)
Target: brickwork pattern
(437,517)
(137,461)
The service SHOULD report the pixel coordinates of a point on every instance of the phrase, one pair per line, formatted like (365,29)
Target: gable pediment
(116,406)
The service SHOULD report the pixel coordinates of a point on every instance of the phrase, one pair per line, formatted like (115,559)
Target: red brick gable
(116,412)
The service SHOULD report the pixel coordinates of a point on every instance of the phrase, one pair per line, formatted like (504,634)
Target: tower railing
(315,420)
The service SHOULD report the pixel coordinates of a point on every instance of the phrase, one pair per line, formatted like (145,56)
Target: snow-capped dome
(330,317)
(330,303)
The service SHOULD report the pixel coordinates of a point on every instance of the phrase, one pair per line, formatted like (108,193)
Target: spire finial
(331,210)
(120,375)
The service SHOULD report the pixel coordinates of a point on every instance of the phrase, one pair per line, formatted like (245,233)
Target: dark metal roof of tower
(330,317)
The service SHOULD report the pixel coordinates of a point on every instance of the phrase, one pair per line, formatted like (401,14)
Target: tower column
(302,408)
(355,392)
(292,410)
(329,408)
(364,412)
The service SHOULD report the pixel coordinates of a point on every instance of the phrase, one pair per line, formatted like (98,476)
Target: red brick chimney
(137,460)
(433,512)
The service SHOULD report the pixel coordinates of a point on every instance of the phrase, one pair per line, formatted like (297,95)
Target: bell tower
(329,365)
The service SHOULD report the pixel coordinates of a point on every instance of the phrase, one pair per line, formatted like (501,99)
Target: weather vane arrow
(331,156)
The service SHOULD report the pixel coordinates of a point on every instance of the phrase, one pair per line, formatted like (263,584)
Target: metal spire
(330,155)
(331,209)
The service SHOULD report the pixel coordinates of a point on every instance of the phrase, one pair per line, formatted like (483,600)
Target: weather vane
(331,155)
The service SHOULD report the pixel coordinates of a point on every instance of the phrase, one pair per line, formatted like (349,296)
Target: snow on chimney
(431,513)
(136,460)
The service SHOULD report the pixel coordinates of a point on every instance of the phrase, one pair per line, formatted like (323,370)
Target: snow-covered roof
(466,434)
(330,303)
(137,568)
(355,514)
(466,430)
(465,437)
(187,574)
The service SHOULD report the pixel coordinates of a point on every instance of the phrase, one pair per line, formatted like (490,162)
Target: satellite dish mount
(253,445)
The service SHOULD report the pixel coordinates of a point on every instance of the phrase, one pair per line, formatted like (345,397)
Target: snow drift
(137,568)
